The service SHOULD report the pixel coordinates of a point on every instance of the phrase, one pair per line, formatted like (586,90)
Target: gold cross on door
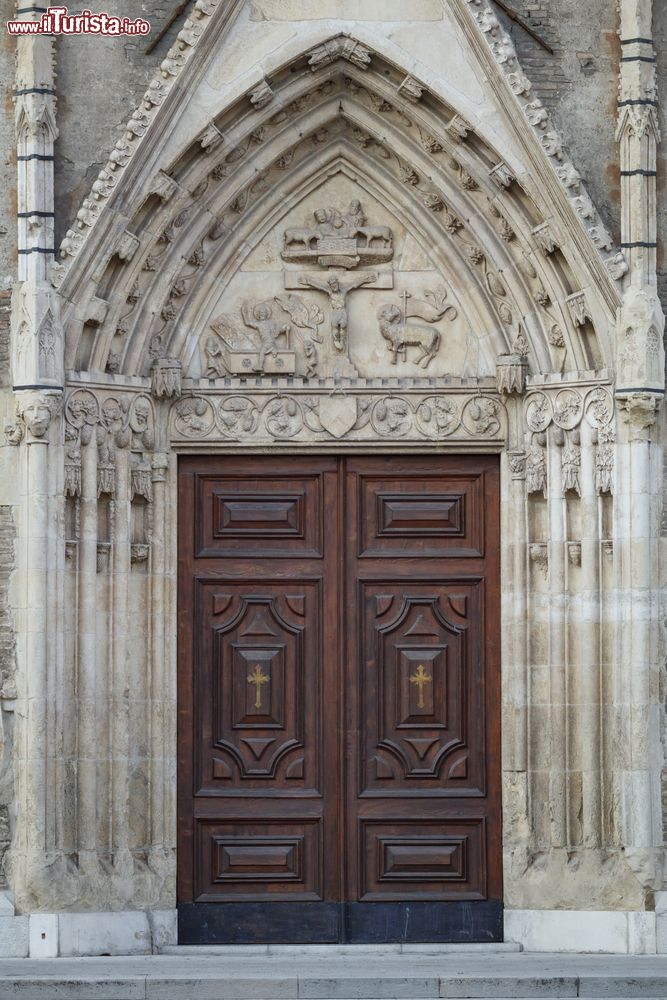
(421,679)
(257,678)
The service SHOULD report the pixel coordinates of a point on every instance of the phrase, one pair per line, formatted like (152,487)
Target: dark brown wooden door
(339,751)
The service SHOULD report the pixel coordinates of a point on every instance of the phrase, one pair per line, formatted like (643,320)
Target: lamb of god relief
(304,327)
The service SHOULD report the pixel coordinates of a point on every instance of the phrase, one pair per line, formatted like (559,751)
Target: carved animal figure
(382,234)
(401,335)
(300,238)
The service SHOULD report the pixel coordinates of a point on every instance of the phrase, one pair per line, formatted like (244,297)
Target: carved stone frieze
(565,408)
(376,415)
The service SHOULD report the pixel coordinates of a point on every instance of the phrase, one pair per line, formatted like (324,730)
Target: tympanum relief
(340,288)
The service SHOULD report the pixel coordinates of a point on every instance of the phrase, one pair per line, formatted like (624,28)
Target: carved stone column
(37,639)
(639,658)
(639,391)
(37,348)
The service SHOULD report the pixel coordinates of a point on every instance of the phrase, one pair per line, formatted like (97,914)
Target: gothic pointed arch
(498,239)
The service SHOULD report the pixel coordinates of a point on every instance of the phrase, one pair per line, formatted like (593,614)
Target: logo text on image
(59,21)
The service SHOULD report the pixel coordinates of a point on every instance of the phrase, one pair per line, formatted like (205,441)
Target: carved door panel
(338,730)
(259,774)
(423,776)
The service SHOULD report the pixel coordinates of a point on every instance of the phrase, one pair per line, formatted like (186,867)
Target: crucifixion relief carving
(295,331)
(338,291)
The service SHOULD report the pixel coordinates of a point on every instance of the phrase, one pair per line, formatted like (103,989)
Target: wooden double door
(339,750)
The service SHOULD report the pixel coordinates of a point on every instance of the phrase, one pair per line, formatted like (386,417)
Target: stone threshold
(334,950)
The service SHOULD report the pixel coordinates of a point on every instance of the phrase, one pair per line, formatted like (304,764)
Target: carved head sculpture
(82,409)
(142,412)
(321,215)
(37,417)
(262,311)
(112,414)
(333,283)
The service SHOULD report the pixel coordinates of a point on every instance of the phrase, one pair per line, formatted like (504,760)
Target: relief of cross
(421,679)
(257,679)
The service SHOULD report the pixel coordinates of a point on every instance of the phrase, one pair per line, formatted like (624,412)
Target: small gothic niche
(104,533)
(71,527)
(140,530)
(150,208)
(86,346)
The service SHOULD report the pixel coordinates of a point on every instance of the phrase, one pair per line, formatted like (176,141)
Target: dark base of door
(340,923)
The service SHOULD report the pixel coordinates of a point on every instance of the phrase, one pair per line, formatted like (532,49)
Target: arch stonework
(477,240)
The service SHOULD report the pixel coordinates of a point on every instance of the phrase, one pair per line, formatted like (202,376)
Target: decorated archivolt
(246,190)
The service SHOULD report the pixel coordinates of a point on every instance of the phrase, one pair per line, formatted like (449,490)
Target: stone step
(358,951)
(292,975)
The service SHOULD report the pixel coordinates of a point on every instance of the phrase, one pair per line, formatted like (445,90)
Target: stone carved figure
(260,318)
(231,350)
(400,335)
(604,470)
(192,417)
(306,320)
(141,425)
(338,292)
(304,315)
(604,465)
(113,432)
(392,417)
(438,416)
(571,468)
(215,358)
(483,413)
(536,470)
